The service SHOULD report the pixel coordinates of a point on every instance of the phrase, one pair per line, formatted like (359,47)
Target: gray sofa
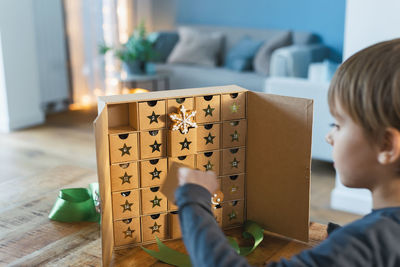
(289,61)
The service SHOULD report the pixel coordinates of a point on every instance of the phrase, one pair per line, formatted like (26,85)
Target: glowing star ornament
(183,120)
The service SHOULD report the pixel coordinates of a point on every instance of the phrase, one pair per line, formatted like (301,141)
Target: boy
(364,98)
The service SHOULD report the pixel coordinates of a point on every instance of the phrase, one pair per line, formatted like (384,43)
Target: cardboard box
(233,187)
(123,147)
(153,172)
(209,136)
(154,225)
(127,231)
(188,160)
(174,226)
(234,133)
(233,160)
(125,204)
(149,114)
(209,161)
(232,213)
(153,201)
(217,211)
(153,144)
(180,144)
(278,156)
(208,108)
(233,106)
(124,176)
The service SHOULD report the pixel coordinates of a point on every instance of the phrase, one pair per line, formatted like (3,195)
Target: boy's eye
(334,125)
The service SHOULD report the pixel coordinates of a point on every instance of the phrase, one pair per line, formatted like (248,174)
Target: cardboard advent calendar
(258,144)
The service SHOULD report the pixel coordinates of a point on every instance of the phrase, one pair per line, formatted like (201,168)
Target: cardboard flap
(103,173)
(278,163)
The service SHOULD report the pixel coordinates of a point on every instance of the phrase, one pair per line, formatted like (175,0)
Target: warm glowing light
(97,92)
(138,90)
(86,100)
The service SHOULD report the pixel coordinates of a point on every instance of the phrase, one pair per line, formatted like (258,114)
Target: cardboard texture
(127,231)
(217,211)
(209,136)
(233,160)
(180,144)
(153,172)
(123,147)
(124,176)
(174,226)
(125,204)
(153,144)
(274,154)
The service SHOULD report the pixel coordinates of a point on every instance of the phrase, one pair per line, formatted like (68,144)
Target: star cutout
(125,150)
(126,178)
(155,174)
(155,146)
(209,110)
(234,163)
(128,232)
(185,144)
(155,228)
(156,201)
(209,138)
(153,118)
(208,166)
(232,215)
(126,206)
(234,108)
(235,136)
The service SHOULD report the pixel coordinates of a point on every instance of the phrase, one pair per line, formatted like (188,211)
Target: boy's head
(365,90)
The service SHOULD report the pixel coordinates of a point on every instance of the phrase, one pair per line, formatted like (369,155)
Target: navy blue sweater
(373,240)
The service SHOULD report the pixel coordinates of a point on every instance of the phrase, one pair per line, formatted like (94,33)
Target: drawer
(208,108)
(153,172)
(151,114)
(124,176)
(127,231)
(209,136)
(233,161)
(153,201)
(174,226)
(125,204)
(232,213)
(154,225)
(123,147)
(234,106)
(173,105)
(180,144)
(234,133)
(233,187)
(188,160)
(208,161)
(217,212)
(152,144)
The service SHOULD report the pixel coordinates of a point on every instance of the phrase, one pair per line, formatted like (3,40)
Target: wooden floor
(66,143)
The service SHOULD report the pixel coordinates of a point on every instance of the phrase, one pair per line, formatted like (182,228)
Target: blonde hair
(367,88)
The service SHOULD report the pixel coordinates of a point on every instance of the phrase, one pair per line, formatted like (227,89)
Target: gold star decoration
(234,108)
(125,150)
(183,120)
(234,189)
(128,232)
(155,174)
(155,146)
(126,206)
(185,144)
(156,201)
(209,110)
(155,228)
(235,136)
(234,163)
(209,138)
(126,178)
(208,166)
(232,215)
(153,117)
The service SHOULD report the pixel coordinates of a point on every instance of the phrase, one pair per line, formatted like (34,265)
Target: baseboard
(351,200)
(28,121)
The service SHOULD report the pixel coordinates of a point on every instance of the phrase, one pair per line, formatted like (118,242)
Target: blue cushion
(240,56)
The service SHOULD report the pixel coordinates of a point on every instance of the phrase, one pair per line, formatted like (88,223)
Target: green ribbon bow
(76,205)
(173,257)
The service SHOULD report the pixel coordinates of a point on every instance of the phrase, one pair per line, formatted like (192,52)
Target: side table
(132,80)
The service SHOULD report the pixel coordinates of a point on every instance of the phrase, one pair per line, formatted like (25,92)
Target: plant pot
(135,67)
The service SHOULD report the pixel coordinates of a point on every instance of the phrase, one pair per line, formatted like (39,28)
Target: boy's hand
(207,179)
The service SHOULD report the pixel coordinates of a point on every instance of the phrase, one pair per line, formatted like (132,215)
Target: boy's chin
(352,183)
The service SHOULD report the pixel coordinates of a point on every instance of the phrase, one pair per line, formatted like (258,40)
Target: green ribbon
(173,257)
(77,205)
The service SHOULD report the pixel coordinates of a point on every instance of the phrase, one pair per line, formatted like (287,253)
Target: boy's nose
(329,139)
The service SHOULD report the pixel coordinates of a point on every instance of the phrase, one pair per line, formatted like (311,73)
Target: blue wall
(323,17)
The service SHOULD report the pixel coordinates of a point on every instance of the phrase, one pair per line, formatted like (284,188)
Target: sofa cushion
(241,55)
(196,48)
(262,59)
(163,44)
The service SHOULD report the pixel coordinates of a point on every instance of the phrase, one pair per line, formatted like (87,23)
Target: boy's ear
(390,147)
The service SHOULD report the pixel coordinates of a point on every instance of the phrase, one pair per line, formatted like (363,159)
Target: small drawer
(151,115)
(153,172)
(125,204)
(127,231)
(185,160)
(233,187)
(152,144)
(123,147)
(234,133)
(124,176)
(209,136)
(208,108)
(153,201)
(234,106)
(154,225)
(232,213)
(217,211)
(233,161)
(173,105)
(209,161)
(174,226)
(172,206)
(180,144)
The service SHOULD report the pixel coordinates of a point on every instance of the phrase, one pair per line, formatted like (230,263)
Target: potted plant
(136,52)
